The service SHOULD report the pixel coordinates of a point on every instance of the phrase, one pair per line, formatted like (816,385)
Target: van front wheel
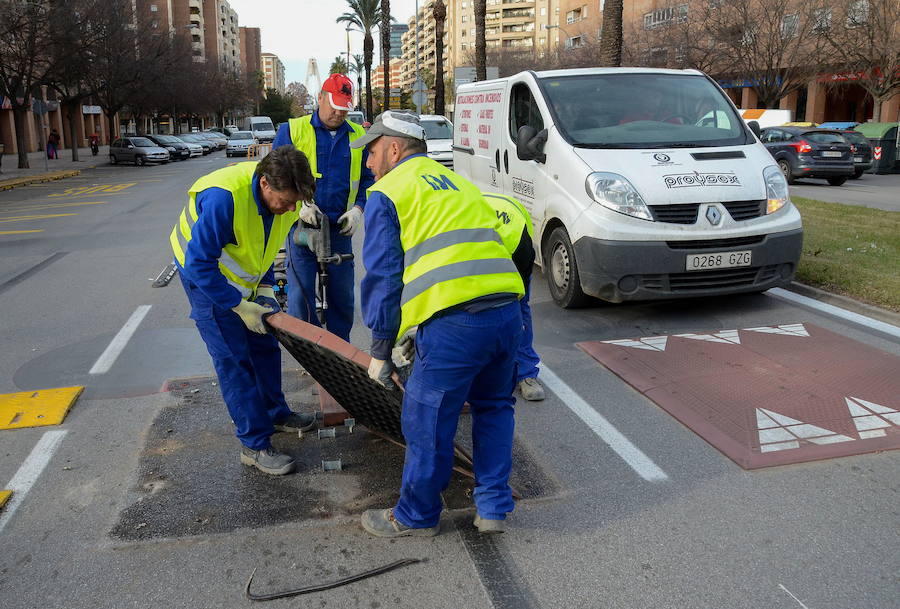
(562,271)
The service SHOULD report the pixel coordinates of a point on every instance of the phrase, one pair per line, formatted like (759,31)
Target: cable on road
(328,585)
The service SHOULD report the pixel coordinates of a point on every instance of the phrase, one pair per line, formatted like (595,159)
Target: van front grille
(684,213)
(707,244)
(745,210)
(710,280)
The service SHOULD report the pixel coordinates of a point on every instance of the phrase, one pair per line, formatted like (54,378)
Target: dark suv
(177,149)
(861,148)
(802,152)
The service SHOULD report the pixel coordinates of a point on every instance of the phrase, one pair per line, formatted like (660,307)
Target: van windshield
(643,111)
(437,130)
(262,127)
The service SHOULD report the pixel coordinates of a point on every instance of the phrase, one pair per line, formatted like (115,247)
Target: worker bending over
(225,243)
(434,260)
(341,183)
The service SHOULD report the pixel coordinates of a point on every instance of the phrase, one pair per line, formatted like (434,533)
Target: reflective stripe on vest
(452,252)
(303,135)
(245,263)
(513,218)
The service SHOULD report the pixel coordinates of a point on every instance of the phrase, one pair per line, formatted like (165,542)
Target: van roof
(591,71)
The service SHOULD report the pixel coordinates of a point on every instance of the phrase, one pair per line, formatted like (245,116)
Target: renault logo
(713,215)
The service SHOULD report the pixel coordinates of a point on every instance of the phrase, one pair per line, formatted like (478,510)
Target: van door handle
(497,158)
(506,160)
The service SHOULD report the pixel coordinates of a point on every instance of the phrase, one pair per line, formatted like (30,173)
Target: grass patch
(851,250)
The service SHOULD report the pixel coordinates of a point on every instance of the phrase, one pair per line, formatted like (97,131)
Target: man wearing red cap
(341,182)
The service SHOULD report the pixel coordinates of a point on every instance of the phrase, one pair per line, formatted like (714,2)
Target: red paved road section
(767,396)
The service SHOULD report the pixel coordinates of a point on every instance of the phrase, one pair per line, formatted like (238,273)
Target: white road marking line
(834,311)
(631,454)
(30,471)
(793,597)
(108,357)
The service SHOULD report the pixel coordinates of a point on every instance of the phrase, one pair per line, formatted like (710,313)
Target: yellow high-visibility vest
(245,263)
(303,135)
(452,252)
(513,218)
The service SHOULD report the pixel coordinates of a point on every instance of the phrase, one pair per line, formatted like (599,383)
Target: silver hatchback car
(138,150)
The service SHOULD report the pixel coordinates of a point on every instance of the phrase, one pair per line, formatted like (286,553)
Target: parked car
(803,152)
(178,150)
(194,148)
(861,148)
(138,150)
(356,116)
(438,138)
(218,139)
(229,129)
(238,143)
(195,138)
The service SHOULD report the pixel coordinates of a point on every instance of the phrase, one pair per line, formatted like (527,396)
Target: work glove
(404,351)
(251,314)
(265,296)
(380,372)
(309,213)
(350,221)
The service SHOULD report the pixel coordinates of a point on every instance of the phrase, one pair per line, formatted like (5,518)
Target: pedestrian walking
(53,145)
(341,182)
(225,244)
(435,261)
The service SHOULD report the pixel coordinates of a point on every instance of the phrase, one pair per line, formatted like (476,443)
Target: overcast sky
(296,30)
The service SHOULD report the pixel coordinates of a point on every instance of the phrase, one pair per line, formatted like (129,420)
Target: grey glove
(251,314)
(309,213)
(380,372)
(404,352)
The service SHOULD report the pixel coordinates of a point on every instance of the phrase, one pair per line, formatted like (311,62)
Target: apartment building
(378,75)
(222,38)
(273,71)
(580,22)
(251,50)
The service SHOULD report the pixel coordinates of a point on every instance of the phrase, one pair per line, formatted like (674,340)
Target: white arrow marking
(780,432)
(651,343)
(785,329)
(871,419)
(726,336)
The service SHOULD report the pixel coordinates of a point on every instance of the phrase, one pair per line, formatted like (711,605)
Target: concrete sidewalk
(9,167)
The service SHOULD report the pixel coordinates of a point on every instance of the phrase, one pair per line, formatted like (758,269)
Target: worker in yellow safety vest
(435,261)
(225,242)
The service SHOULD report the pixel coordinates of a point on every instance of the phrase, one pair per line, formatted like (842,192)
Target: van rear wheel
(562,271)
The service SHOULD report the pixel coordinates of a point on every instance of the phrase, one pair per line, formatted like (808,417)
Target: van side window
(523,110)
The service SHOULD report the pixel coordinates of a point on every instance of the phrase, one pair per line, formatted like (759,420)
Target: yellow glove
(404,350)
(251,314)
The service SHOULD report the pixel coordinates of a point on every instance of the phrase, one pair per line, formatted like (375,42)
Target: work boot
(381,523)
(296,421)
(531,389)
(268,460)
(485,525)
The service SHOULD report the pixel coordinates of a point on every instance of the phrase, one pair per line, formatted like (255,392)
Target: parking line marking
(51,206)
(30,471)
(631,454)
(112,352)
(34,217)
(824,307)
(20,232)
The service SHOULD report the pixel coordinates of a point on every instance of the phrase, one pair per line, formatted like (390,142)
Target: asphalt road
(878,191)
(77,259)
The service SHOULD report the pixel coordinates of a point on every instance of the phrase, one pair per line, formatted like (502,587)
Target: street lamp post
(553,26)
(349,29)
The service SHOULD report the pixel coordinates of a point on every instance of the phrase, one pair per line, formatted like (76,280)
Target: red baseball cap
(340,92)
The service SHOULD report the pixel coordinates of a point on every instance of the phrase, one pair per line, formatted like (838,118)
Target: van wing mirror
(530,144)
(754,127)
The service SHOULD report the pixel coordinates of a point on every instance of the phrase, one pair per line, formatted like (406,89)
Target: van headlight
(616,193)
(776,189)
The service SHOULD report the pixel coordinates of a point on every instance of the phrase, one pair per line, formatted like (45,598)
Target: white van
(261,127)
(438,138)
(642,183)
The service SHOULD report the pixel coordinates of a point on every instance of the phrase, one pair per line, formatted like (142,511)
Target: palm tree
(440,15)
(611,43)
(480,45)
(386,47)
(365,14)
(339,66)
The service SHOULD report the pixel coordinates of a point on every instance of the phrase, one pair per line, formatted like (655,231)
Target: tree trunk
(877,100)
(611,43)
(440,14)
(386,48)
(480,43)
(19,117)
(368,51)
(73,130)
(112,131)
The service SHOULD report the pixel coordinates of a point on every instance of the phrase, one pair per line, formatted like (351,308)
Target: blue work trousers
(301,277)
(460,356)
(527,359)
(248,366)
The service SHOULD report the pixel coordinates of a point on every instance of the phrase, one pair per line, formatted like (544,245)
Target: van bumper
(616,271)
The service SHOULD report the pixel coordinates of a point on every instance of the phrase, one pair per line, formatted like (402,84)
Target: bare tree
(771,43)
(864,39)
(681,43)
(611,40)
(24,61)
(480,42)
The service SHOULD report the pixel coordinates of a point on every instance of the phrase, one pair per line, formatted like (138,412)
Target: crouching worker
(434,260)
(225,243)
